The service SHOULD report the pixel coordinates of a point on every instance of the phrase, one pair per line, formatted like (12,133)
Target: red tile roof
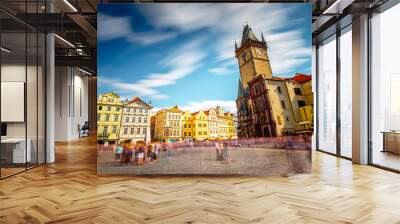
(137,99)
(301,78)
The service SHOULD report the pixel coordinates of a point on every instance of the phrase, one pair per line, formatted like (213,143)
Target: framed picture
(201,88)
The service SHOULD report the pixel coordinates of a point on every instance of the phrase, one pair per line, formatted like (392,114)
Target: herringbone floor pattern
(69,191)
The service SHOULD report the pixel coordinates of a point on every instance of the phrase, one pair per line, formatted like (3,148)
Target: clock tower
(252,57)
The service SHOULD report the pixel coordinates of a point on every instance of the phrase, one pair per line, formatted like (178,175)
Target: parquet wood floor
(69,191)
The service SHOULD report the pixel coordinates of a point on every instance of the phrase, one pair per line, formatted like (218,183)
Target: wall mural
(204,89)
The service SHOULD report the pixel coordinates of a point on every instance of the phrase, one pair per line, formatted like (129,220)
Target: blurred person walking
(218,151)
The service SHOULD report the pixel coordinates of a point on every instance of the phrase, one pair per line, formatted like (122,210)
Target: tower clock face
(260,52)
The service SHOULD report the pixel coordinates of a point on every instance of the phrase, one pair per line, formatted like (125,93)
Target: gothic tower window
(244,56)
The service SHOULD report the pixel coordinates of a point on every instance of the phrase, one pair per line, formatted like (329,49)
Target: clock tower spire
(252,57)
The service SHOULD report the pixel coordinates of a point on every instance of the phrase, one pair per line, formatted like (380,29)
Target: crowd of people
(128,152)
(140,153)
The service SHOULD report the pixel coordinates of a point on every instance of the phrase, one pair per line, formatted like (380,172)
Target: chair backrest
(86,125)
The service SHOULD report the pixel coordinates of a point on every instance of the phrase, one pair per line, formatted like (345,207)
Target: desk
(391,141)
(13,150)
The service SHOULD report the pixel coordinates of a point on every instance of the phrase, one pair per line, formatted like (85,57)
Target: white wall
(71,102)
(33,126)
(12,73)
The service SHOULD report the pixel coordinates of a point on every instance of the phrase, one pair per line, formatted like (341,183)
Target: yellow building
(187,126)
(230,126)
(211,124)
(200,125)
(168,125)
(108,117)
(268,105)
(306,116)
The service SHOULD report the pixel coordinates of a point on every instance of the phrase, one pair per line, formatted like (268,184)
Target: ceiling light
(65,41)
(338,6)
(5,50)
(84,71)
(70,5)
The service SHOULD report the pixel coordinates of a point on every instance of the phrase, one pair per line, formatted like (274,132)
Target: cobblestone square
(202,160)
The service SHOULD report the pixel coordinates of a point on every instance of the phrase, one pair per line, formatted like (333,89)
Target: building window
(98,117)
(127,119)
(132,131)
(114,129)
(283,105)
(244,56)
(345,92)
(327,95)
(138,131)
(125,131)
(297,91)
(100,108)
(279,120)
(257,89)
(107,117)
(145,120)
(109,108)
(301,103)
(385,89)
(279,89)
(144,130)
(116,117)
(105,130)
(287,119)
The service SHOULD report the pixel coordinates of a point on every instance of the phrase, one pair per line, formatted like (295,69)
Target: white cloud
(179,63)
(221,71)
(111,28)
(226,21)
(227,105)
(160,96)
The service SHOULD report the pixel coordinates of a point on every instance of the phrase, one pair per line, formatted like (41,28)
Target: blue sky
(184,53)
